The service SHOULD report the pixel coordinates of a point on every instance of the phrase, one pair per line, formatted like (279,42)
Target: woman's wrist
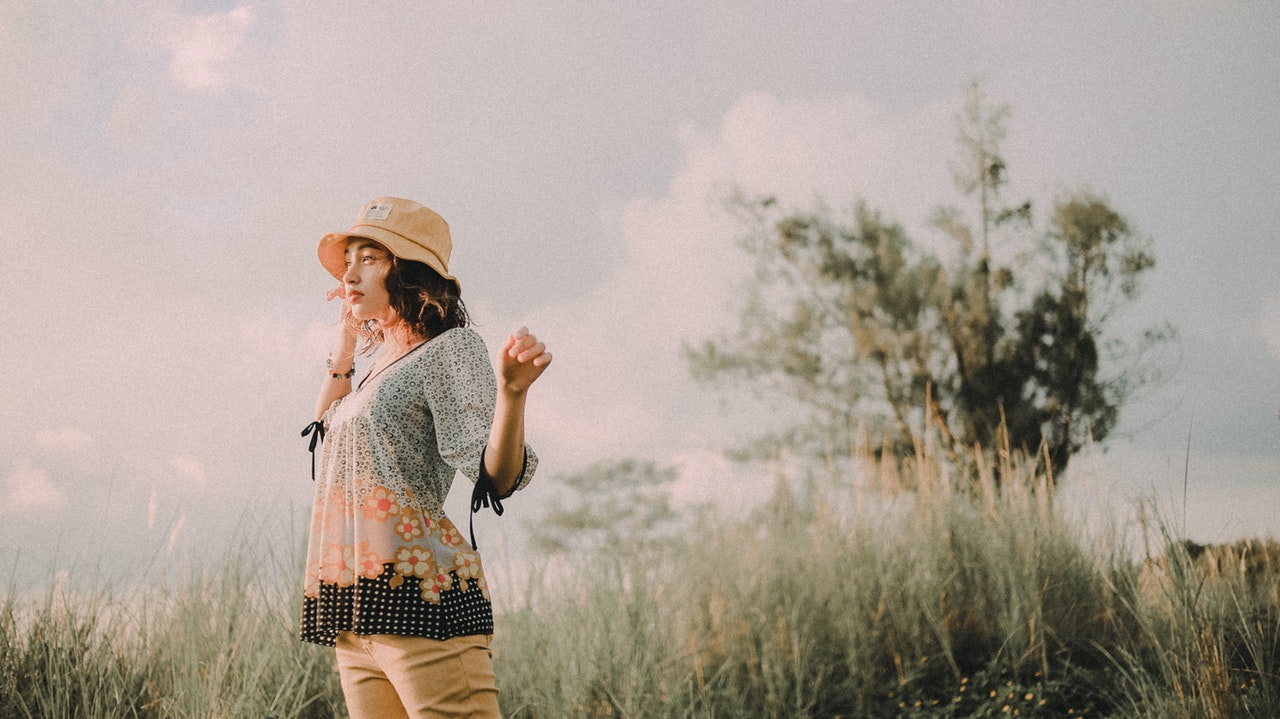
(340,366)
(514,395)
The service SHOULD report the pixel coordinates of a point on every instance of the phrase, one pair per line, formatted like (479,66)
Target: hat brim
(333,250)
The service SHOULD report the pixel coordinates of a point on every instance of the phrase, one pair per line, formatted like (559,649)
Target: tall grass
(985,602)
(216,641)
(831,601)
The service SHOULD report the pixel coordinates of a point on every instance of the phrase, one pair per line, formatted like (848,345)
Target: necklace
(390,355)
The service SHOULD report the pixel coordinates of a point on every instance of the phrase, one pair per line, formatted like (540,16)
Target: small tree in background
(616,504)
(1005,341)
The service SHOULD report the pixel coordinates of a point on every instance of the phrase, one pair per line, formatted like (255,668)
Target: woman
(390,582)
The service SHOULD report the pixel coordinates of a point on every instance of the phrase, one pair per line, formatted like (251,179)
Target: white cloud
(282,345)
(188,468)
(581,413)
(201,49)
(796,146)
(63,439)
(203,46)
(838,148)
(620,386)
(29,488)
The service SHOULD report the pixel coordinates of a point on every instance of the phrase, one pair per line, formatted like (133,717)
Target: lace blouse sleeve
(328,413)
(461,388)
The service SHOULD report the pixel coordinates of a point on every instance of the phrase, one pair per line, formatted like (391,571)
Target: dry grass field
(832,602)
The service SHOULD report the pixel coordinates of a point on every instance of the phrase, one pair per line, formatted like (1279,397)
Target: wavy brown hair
(427,302)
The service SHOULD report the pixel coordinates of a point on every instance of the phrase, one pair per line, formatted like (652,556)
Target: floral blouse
(382,557)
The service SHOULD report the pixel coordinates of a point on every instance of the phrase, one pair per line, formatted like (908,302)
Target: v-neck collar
(393,363)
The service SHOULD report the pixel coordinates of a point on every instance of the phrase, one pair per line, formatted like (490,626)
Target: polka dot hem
(372,606)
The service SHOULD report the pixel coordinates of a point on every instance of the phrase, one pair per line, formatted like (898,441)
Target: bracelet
(328,363)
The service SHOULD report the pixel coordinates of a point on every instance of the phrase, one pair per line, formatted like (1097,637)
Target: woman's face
(365,280)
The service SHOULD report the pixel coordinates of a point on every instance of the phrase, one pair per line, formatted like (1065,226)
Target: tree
(1004,341)
(612,505)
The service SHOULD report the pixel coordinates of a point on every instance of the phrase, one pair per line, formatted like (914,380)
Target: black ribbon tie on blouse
(316,430)
(483,495)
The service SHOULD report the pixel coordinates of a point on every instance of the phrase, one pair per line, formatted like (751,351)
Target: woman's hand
(339,292)
(522,360)
(347,336)
(337,380)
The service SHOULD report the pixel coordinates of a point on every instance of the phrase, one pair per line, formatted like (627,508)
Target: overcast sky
(170,167)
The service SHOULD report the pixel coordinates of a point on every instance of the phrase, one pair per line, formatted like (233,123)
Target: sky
(171,166)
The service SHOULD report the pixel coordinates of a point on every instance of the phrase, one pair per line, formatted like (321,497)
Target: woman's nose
(350,276)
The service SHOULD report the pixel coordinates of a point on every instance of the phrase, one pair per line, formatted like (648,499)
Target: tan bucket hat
(409,230)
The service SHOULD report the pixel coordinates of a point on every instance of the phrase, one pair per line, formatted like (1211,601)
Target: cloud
(198,52)
(620,385)
(282,345)
(188,468)
(838,148)
(29,489)
(63,439)
(203,45)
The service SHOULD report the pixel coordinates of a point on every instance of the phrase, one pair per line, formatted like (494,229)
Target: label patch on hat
(378,212)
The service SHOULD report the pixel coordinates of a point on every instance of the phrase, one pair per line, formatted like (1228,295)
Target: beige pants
(385,676)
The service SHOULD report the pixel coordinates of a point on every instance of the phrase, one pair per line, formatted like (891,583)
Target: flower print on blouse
(382,557)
